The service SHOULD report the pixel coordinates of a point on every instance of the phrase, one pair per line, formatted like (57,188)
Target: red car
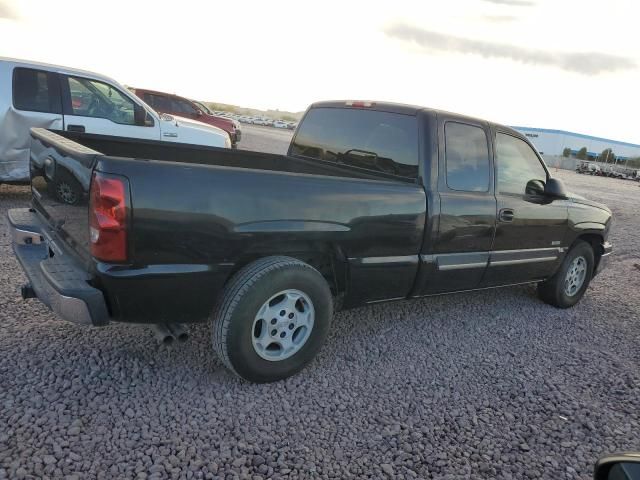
(183,107)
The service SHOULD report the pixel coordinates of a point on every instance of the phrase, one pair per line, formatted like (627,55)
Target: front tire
(570,282)
(272,319)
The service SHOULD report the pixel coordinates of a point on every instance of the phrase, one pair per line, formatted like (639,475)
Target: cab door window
(467,157)
(519,170)
(91,98)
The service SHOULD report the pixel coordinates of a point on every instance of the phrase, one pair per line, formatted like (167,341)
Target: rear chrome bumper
(607,250)
(58,281)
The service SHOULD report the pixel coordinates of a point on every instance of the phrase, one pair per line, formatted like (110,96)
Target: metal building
(553,142)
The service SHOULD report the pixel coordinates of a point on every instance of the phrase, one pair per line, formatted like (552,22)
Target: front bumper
(57,280)
(607,250)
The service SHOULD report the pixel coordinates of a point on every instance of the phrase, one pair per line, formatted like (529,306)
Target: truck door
(461,237)
(93,106)
(531,230)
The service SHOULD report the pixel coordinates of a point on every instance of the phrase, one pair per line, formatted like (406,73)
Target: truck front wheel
(271,319)
(569,283)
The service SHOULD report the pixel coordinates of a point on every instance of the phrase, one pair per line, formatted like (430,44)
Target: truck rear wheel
(272,319)
(569,283)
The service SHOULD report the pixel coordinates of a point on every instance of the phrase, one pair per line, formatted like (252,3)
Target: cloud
(513,3)
(585,63)
(7,12)
(500,18)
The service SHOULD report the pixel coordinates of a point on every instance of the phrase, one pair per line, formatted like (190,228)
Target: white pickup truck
(59,98)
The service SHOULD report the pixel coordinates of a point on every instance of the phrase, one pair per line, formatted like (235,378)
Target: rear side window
(467,157)
(36,91)
(378,141)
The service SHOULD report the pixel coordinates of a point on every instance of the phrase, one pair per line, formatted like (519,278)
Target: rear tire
(268,287)
(567,286)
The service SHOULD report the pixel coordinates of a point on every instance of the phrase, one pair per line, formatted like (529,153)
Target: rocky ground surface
(493,384)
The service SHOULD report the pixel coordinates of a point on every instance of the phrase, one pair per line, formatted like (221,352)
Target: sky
(565,64)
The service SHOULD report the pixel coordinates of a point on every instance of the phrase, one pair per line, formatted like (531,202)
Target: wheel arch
(327,258)
(596,240)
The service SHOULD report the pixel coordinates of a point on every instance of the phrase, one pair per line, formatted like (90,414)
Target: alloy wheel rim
(575,276)
(65,193)
(283,325)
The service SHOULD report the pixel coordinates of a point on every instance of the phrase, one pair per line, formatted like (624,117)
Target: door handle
(506,215)
(75,128)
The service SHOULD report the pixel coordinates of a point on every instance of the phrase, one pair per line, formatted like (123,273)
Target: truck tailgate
(60,179)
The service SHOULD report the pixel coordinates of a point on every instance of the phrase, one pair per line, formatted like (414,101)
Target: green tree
(607,155)
(582,154)
(566,152)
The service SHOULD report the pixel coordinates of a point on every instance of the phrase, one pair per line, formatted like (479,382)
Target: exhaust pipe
(179,331)
(162,333)
(27,291)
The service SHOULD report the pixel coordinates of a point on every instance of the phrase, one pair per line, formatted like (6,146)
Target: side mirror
(534,187)
(554,188)
(622,466)
(139,115)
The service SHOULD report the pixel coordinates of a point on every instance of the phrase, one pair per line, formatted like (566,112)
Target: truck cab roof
(405,109)
(56,68)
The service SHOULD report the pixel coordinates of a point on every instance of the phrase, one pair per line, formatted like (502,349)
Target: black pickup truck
(373,202)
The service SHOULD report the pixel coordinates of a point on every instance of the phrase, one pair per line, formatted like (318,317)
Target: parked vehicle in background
(59,98)
(594,169)
(280,124)
(582,167)
(183,107)
(373,202)
(236,124)
(607,170)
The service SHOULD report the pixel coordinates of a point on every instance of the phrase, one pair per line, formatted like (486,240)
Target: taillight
(108,214)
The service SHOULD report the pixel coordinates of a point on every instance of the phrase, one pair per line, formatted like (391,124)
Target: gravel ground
(483,385)
(265,139)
